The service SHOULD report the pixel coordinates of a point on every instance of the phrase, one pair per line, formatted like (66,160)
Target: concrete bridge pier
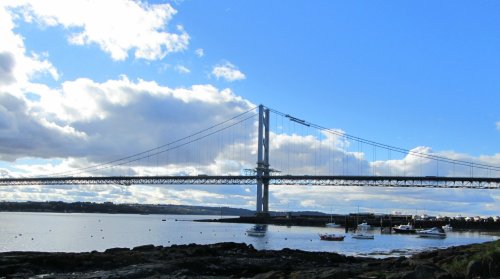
(262,207)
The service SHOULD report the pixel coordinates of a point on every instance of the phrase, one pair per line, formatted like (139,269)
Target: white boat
(257,230)
(432,233)
(361,232)
(332,225)
(362,235)
(447,228)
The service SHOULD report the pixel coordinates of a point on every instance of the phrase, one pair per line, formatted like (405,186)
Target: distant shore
(112,208)
(304,218)
(230,260)
(351,221)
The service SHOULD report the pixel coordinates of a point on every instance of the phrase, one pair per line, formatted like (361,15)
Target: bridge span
(276,180)
(326,153)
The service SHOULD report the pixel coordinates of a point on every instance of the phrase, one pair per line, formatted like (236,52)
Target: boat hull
(363,236)
(256,234)
(330,237)
(432,235)
(404,231)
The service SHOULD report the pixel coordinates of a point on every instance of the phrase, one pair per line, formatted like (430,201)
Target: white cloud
(17,66)
(199,52)
(84,117)
(498,125)
(182,69)
(115,26)
(227,71)
(385,200)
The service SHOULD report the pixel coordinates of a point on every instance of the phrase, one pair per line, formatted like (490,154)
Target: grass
(458,266)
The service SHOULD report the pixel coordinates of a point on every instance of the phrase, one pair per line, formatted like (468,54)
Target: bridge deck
(374,181)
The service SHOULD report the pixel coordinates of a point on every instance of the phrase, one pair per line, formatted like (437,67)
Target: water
(80,232)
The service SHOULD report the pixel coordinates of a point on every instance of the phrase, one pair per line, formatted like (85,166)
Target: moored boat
(331,237)
(432,233)
(362,232)
(257,230)
(362,235)
(404,229)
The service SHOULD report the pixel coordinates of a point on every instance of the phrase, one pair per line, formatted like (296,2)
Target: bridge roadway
(301,180)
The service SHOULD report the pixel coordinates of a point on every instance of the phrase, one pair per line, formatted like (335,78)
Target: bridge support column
(263,162)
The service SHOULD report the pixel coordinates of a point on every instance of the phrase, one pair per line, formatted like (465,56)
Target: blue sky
(414,75)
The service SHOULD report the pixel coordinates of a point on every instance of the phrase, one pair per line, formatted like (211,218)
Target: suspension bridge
(304,154)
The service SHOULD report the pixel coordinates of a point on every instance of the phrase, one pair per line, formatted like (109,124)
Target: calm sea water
(80,232)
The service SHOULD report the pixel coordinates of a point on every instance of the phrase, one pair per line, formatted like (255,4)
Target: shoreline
(350,222)
(229,260)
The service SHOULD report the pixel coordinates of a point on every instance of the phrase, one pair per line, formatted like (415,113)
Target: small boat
(331,237)
(332,225)
(404,229)
(432,233)
(257,230)
(447,228)
(362,235)
(361,232)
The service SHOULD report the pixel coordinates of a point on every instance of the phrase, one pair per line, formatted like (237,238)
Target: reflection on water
(86,232)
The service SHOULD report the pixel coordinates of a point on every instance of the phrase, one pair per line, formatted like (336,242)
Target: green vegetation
(485,256)
(109,207)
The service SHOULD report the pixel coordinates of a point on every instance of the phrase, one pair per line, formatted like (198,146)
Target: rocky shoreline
(238,260)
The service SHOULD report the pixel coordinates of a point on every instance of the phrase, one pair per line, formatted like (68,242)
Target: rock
(473,269)
(239,260)
(427,271)
(142,248)
(270,275)
(116,250)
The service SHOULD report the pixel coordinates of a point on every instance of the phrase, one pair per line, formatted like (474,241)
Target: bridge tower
(263,162)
